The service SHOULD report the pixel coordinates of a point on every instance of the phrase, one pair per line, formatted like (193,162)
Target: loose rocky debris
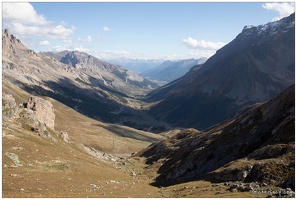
(14,158)
(100,154)
(13,175)
(64,136)
(93,186)
(256,188)
(133,173)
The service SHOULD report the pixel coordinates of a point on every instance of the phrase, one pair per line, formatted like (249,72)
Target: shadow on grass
(129,133)
(89,101)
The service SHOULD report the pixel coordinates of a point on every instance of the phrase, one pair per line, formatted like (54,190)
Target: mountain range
(254,67)
(77,126)
(135,65)
(93,87)
(169,71)
(113,76)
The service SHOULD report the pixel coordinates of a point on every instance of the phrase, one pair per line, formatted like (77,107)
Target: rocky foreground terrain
(77,157)
(82,157)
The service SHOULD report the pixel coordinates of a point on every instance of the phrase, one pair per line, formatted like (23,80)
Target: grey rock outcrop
(14,158)
(64,136)
(37,112)
(9,108)
(11,46)
(43,110)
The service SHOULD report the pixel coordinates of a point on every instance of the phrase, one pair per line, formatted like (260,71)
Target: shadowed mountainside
(258,145)
(256,66)
(94,88)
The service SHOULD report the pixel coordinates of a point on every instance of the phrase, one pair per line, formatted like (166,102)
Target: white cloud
(58,48)
(195,44)
(88,39)
(63,23)
(106,28)
(22,13)
(67,41)
(283,9)
(109,54)
(22,20)
(73,28)
(115,54)
(57,32)
(44,43)
(71,47)
(201,53)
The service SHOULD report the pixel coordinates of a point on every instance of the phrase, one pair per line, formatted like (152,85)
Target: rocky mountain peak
(254,67)
(70,58)
(11,46)
(9,38)
(271,28)
(6,33)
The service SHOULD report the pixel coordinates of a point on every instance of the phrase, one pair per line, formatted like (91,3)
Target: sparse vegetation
(86,144)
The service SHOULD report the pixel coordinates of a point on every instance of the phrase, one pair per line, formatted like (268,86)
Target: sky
(137,30)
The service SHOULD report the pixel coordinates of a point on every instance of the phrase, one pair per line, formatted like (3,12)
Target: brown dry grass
(60,169)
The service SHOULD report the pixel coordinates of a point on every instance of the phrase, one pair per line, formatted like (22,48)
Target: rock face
(37,112)
(10,44)
(258,145)
(9,108)
(256,66)
(105,74)
(43,110)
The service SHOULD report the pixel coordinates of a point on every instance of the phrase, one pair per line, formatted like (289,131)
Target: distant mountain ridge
(171,70)
(257,65)
(88,85)
(103,72)
(135,65)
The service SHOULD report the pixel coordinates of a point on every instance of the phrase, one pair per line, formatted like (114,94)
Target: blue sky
(143,30)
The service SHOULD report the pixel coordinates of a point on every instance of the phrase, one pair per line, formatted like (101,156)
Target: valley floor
(95,161)
(80,179)
(35,167)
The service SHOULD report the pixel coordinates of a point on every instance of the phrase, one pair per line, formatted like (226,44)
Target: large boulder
(9,108)
(43,110)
